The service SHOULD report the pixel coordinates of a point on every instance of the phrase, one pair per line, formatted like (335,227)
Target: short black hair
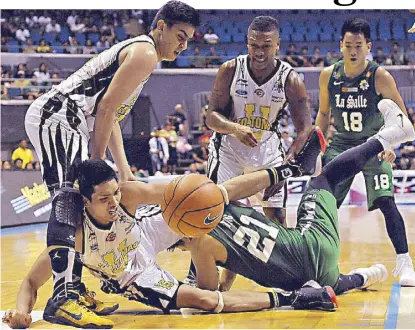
(174,12)
(265,24)
(356,26)
(91,173)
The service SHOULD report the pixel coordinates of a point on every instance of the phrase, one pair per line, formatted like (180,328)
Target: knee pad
(66,215)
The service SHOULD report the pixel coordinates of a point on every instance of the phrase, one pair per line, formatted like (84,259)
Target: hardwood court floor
(364,242)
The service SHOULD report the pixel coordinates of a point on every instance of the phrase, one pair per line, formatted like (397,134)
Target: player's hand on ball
(246,136)
(387,155)
(16,319)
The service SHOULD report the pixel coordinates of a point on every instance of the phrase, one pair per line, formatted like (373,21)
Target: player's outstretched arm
(386,86)
(299,110)
(134,193)
(139,62)
(41,271)
(324,110)
(216,118)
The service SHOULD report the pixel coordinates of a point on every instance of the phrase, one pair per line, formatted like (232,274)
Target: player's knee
(66,214)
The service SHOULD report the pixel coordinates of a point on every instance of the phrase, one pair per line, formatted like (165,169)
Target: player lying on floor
(130,269)
(121,249)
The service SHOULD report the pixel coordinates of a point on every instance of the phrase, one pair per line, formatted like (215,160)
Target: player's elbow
(211,119)
(208,301)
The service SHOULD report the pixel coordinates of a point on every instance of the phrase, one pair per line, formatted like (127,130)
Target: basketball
(192,205)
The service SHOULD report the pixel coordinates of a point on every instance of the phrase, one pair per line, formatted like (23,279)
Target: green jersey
(279,257)
(354,105)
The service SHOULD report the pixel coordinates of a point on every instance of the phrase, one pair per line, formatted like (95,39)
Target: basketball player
(121,248)
(94,99)
(350,90)
(249,94)
(250,244)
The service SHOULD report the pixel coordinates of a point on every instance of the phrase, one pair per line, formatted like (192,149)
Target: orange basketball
(192,205)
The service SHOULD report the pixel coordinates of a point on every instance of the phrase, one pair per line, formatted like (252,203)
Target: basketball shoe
(69,311)
(308,158)
(313,296)
(371,275)
(405,270)
(99,307)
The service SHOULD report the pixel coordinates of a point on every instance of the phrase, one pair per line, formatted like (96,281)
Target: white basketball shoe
(405,270)
(371,275)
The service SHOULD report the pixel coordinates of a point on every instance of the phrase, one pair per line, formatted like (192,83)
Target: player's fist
(16,319)
(387,155)
(245,135)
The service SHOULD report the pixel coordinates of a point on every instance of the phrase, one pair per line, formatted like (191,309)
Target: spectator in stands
(200,156)
(286,140)
(179,120)
(29,166)
(206,135)
(211,37)
(36,166)
(6,165)
(4,47)
(44,19)
(89,48)
(198,36)
(6,31)
(43,47)
(203,113)
(90,26)
(23,153)
(21,82)
(71,20)
(380,57)
(5,84)
(53,27)
(107,30)
(213,60)
(74,48)
(292,56)
(28,48)
(102,44)
(171,137)
(78,26)
(42,74)
(22,33)
(133,26)
(31,19)
(197,60)
(303,59)
(159,151)
(18,164)
(21,67)
(398,57)
(56,79)
(316,57)
(410,54)
(192,169)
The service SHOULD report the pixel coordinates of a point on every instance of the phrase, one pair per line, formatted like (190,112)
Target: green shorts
(317,220)
(378,178)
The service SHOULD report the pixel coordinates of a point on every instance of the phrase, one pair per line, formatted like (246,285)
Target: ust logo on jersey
(164,284)
(351,102)
(118,261)
(258,123)
(124,109)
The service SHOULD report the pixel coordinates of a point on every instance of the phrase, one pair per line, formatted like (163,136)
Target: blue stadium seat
(94,37)
(81,38)
(13,46)
(183,62)
(14,92)
(398,30)
(49,37)
(64,34)
(239,37)
(226,37)
(297,36)
(384,29)
(35,36)
(120,33)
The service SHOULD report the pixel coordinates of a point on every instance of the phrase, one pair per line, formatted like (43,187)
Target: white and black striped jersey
(258,105)
(88,85)
(129,246)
